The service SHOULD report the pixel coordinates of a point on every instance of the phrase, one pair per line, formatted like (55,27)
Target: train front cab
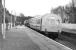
(51,26)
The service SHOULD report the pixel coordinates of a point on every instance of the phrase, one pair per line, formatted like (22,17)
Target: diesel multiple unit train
(50,24)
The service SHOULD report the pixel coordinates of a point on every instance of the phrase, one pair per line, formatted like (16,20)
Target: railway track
(67,41)
(63,39)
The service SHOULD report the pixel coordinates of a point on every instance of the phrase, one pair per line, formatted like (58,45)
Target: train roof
(48,15)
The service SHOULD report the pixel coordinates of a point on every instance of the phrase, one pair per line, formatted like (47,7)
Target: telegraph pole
(73,3)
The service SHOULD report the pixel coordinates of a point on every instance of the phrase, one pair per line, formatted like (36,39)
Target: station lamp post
(4,25)
(14,19)
(11,19)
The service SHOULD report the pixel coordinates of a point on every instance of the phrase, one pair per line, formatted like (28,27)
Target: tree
(67,12)
(60,11)
(71,12)
(22,15)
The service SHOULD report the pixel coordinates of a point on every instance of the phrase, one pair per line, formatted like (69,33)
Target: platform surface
(24,38)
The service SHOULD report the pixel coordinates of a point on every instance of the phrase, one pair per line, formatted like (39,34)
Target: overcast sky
(33,7)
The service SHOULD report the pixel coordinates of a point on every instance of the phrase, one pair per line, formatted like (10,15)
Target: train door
(52,25)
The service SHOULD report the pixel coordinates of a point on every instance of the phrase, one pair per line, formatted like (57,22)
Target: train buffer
(25,38)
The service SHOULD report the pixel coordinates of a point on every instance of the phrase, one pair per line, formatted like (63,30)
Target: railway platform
(24,38)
